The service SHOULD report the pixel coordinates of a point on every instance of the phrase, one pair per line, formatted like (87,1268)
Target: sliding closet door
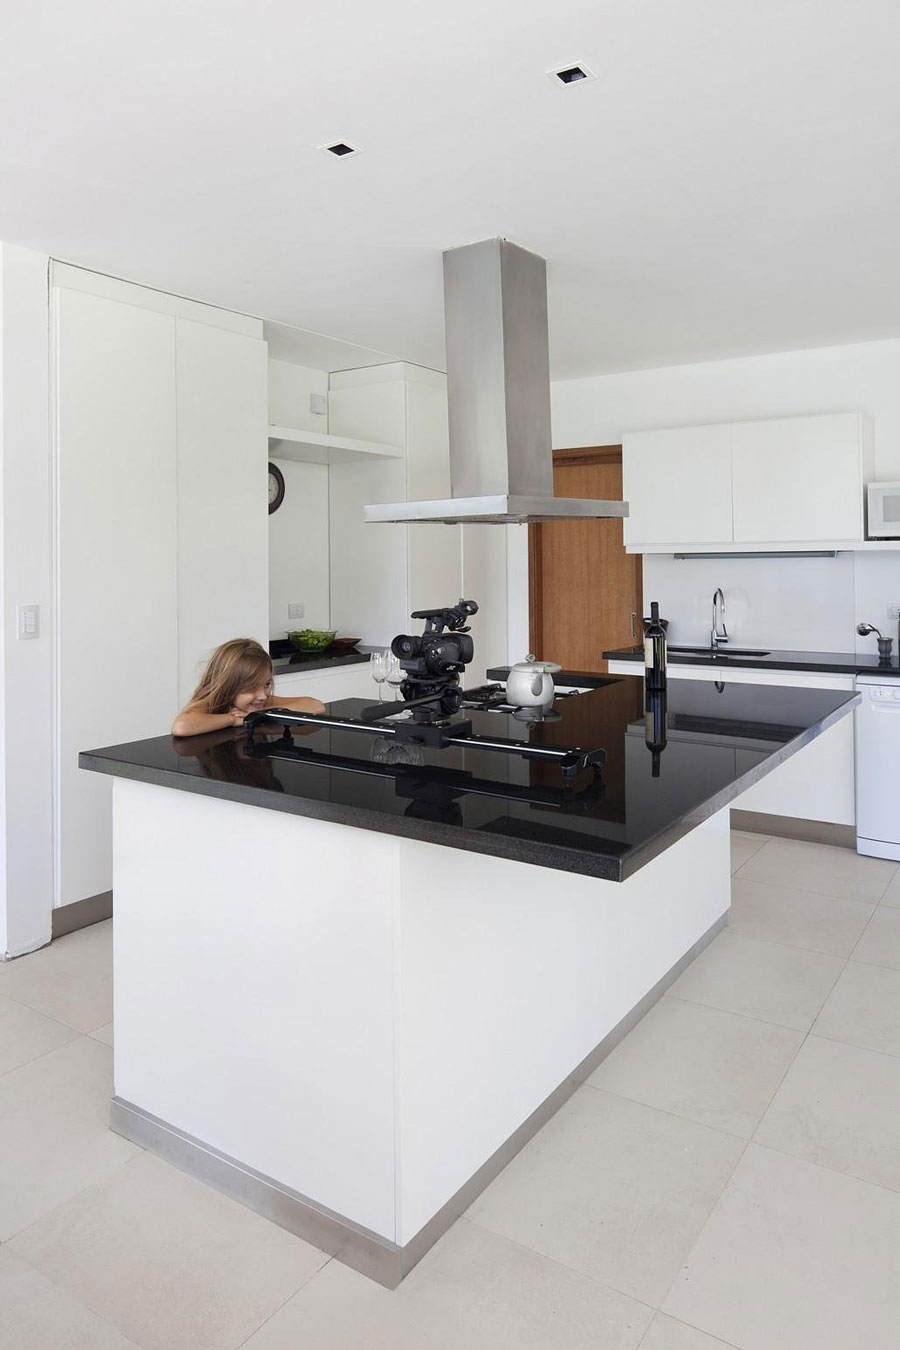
(116,559)
(223,513)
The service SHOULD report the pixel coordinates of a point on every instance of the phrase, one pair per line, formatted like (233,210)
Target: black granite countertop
(298,662)
(835,663)
(719,741)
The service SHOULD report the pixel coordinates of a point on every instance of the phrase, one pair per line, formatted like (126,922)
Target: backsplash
(798,604)
(877,587)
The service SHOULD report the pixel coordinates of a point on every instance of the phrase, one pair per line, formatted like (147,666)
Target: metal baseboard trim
(355,1246)
(367,1252)
(794,827)
(81,914)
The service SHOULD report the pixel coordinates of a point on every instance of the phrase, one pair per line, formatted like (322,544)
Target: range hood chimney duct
(498,391)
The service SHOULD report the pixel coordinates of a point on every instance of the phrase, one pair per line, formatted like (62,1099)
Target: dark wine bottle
(655,734)
(654,650)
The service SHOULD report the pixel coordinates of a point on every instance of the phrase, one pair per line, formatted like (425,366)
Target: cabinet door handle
(633,619)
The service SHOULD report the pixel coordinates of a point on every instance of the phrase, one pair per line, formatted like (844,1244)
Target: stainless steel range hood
(498,390)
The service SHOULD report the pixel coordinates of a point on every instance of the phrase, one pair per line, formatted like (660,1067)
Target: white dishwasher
(878,767)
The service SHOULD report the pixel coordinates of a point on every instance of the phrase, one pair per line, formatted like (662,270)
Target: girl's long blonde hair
(234,667)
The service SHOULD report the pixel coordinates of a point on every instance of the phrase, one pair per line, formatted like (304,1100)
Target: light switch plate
(296,611)
(894,611)
(28,621)
(318,403)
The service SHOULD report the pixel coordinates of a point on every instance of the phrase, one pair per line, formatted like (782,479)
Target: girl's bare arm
(310,705)
(192,722)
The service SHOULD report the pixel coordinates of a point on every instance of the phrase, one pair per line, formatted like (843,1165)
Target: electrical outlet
(894,611)
(296,611)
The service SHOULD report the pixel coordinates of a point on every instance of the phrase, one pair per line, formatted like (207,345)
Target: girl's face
(251,700)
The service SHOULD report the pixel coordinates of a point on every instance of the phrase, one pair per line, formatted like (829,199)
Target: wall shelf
(317,447)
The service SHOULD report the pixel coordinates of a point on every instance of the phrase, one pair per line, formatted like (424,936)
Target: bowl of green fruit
(311,639)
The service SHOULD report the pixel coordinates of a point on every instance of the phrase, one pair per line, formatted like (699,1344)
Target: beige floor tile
(880,943)
(70,980)
(710,1066)
(25,1034)
(839,1106)
(891,897)
(104,1034)
(55,1139)
(474,1291)
(169,1261)
(36,1315)
(779,984)
(821,868)
(864,1009)
(797,918)
(795,1256)
(743,847)
(613,1189)
(668,1334)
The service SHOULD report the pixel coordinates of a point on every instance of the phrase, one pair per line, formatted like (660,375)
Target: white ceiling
(728,184)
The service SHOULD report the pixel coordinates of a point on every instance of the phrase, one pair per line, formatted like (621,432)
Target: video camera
(434,660)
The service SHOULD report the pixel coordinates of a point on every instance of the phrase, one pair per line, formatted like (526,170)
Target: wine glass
(394,672)
(377,668)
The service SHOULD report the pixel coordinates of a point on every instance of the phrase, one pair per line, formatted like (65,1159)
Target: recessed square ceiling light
(573,73)
(340,149)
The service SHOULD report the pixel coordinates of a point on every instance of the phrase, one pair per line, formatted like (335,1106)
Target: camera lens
(406,646)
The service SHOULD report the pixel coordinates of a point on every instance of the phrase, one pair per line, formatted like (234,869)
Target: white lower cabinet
(815,785)
(329,685)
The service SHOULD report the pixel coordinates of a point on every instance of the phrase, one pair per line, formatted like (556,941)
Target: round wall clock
(276,487)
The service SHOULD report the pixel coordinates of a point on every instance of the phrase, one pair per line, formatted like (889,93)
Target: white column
(26,870)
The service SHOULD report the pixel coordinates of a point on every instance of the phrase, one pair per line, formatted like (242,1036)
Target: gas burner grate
(492,697)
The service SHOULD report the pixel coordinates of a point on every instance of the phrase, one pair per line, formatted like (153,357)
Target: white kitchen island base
(353,1032)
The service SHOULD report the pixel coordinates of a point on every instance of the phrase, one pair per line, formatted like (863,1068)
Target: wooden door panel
(584,586)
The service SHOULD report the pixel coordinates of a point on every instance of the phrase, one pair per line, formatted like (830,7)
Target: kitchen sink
(721,652)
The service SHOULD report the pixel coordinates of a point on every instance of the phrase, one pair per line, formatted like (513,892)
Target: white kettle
(529,683)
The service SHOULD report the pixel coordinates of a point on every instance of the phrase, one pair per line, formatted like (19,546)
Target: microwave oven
(884,511)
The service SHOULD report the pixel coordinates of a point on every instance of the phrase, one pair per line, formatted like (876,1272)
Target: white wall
(298,549)
(298,530)
(877,587)
(289,389)
(806,604)
(26,748)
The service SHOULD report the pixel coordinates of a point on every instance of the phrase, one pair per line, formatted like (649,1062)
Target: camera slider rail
(571,759)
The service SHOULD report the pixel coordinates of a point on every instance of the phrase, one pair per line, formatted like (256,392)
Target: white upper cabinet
(789,482)
(678,486)
(800,479)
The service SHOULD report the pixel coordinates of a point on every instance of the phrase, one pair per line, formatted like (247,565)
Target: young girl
(237,681)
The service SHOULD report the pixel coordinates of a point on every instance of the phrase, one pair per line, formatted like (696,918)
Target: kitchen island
(352,978)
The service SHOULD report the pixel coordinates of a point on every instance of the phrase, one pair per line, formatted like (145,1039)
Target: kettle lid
(535,667)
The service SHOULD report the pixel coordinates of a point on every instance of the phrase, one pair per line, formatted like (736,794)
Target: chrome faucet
(716,638)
